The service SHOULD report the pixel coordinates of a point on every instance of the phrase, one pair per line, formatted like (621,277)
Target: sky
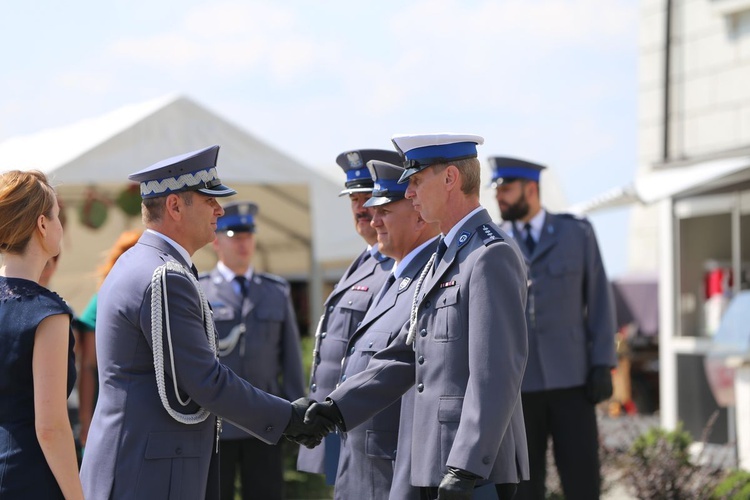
(553,81)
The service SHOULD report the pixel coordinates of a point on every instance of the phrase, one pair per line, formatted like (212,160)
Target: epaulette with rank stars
(278,280)
(489,234)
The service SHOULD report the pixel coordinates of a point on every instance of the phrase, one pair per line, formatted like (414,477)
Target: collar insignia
(463,238)
(404,283)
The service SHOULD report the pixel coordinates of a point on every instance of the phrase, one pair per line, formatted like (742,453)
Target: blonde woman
(37,370)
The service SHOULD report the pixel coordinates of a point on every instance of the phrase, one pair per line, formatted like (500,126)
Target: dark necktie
(194,270)
(361,260)
(386,286)
(530,243)
(242,282)
(442,247)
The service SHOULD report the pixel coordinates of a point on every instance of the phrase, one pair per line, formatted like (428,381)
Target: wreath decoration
(93,211)
(129,200)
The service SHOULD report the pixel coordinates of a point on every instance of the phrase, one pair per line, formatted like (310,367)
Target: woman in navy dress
(37,371)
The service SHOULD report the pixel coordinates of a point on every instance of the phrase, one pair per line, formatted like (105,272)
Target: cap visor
(408,173)
(219,191)
(237,229)
(355,190)
(381,200)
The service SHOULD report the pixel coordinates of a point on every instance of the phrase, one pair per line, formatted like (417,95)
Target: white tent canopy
(93,157)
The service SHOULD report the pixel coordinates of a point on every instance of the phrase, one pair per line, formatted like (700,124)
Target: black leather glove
(599,384)
(302,433)
(457,484)
(327,413)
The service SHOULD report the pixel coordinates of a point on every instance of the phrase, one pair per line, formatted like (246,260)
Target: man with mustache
(345,307)
(570,318)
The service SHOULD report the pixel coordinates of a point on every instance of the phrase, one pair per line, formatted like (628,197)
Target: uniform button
(486,460)
(420,387)
(323,335)
(420,360)
(427,304)
(394,453)
(359,323)
(330,308)
(370,344)
(343,377)
(351,351)
(269,428)
(314,387)
(423,332)
(178,451)
(350,302)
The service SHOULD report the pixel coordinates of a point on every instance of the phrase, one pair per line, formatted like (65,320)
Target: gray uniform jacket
(135,448)
(368,451)
(467,360)
(263,331)
(570,313)
(343,310)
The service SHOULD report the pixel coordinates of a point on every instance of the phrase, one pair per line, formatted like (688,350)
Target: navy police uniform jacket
(467,360)
(368,451)
(343,311)
(260,333)
(135,448)
(570,313)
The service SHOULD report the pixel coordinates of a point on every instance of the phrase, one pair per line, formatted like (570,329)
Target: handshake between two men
(312,421)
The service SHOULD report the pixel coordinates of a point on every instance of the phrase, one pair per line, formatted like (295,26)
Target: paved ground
(618,492)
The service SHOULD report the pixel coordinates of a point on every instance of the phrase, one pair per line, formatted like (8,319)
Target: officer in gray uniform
(155,430)
(258,340)
(465,344)
(570,317)
(368,451)
(345,307)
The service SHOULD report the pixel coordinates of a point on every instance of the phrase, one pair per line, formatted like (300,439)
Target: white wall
(710,95)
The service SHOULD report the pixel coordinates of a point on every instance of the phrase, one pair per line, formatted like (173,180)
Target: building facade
(693,181)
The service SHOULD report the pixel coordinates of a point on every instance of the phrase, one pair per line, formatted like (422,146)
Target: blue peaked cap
(354,165)
(506,169)
(387,188)
(239,217)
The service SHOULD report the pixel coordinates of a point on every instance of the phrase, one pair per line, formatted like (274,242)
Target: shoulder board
(579,218)
(489,234)
(276,279)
